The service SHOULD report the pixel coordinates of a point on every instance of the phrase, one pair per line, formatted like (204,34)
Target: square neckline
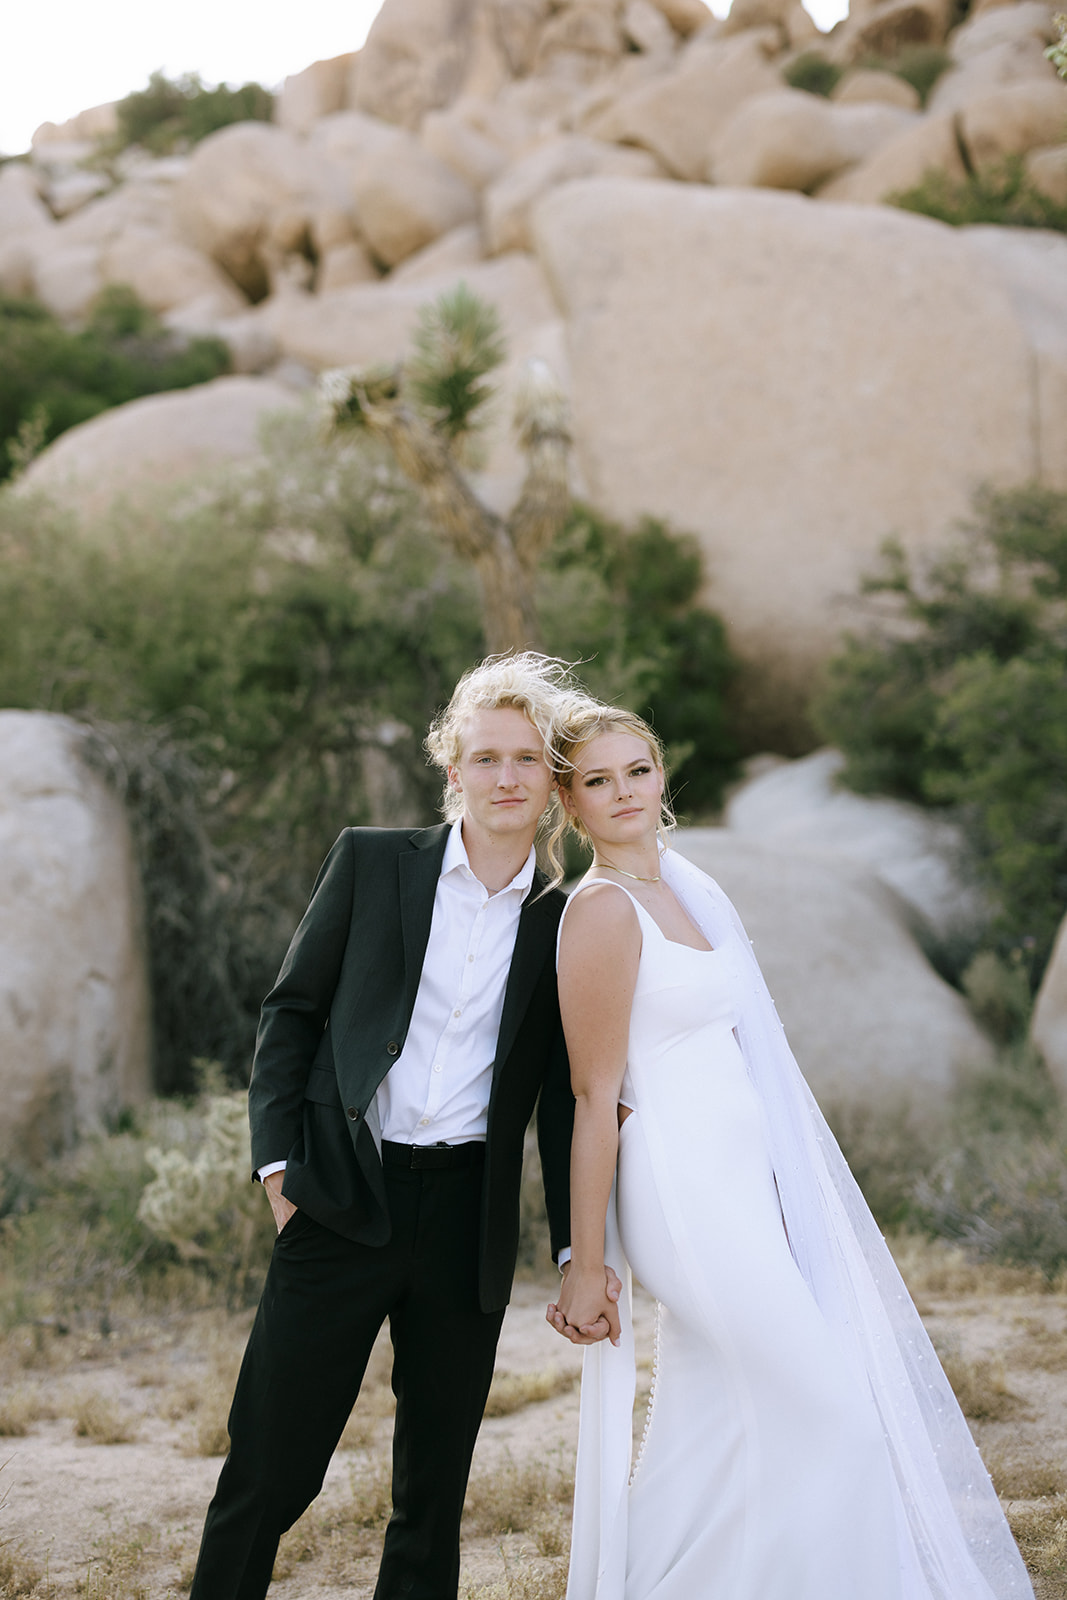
(642,911)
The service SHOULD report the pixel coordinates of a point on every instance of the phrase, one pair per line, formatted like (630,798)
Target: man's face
(502,773)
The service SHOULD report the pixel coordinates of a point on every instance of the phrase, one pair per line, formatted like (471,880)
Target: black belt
(432,1157)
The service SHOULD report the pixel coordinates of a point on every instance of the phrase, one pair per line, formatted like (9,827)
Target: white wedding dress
(767,1470)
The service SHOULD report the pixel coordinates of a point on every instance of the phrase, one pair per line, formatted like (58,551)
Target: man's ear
(454,781)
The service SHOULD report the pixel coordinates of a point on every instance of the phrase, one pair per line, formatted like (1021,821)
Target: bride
(802,1441)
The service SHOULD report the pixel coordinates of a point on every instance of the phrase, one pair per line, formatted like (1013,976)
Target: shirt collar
(455,856)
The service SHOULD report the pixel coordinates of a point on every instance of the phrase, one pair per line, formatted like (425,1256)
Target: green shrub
(1003,194)
(260,656)
(172,113)
(959,698)
(812,72)
(918,64)
(52,378)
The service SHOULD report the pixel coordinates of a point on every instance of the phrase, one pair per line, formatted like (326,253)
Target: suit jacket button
(353,1113)
(393,1048)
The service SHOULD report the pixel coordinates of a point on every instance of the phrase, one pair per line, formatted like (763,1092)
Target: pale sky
(57,57)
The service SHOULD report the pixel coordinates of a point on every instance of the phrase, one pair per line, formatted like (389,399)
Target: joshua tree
(429,411)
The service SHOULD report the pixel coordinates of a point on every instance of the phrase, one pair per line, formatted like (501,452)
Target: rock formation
(74,1018)
(791,376)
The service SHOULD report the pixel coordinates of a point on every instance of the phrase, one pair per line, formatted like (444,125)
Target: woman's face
(616,789)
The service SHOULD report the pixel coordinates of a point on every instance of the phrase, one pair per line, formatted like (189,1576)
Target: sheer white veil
(955,1544)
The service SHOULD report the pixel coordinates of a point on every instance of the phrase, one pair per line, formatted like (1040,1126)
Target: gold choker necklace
(636,876)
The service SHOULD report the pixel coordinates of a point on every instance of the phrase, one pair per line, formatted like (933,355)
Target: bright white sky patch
(58,57)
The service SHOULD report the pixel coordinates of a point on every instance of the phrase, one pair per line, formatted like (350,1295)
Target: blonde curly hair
(540,686)
(582,721)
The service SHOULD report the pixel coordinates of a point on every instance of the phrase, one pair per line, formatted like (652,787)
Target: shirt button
(470,958)
(424,1122)
(437,1068)
(456,1013)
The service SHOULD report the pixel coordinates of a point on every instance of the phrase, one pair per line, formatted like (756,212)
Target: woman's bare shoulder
(601,911)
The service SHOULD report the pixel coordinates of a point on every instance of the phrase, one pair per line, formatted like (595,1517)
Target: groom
(413,1026)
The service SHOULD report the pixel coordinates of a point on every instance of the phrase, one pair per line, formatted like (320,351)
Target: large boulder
(1013,120)
(306,97)
(247,201)
(509,201)
(1048,1029)
(792,140)
(928,143)
(678,114)
(166,274)
(415,59)
(366,326)
(74,1005)
(132,449)
(405,198)
(579,42)
(993,49)
(453,139)
(873,86)
(884,29)
(24,219)
(799,807)
(1031,267)
(791,382)
(873,1027)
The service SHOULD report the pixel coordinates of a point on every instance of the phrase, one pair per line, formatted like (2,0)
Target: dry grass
(332,1533)
(116,1570)
(99,1418)
(517,1499)
(204,1395)
(979,1387)
(523,1583)
(1042,1347)
(20,1577)
(1041,1534)
(22,1406)
(934,1267)
(512,1391)
(1018,1476)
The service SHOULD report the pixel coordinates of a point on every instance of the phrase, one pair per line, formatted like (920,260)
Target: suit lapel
(419,870)
(536,933)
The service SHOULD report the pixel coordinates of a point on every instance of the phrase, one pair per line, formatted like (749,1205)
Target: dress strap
(585,884)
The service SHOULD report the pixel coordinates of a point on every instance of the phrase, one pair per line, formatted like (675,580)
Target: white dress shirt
(437,1090)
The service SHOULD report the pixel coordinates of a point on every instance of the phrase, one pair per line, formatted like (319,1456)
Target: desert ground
(114,1435)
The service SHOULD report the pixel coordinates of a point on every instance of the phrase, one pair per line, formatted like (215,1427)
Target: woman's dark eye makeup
(641,770)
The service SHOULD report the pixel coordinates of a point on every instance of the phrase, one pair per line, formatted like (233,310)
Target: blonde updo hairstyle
(585,721)
(539,686)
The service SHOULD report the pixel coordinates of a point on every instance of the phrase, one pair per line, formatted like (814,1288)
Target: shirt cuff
(563,1257)
(277,1166)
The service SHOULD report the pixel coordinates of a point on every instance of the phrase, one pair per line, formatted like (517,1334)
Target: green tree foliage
(959,698)
(1004,195)
(458,342)
(52,378)
(812,72)
(261,657)
(1057,51)
(173,113)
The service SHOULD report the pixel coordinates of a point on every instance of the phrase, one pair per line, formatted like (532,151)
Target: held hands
(283,1209)
(587,1310)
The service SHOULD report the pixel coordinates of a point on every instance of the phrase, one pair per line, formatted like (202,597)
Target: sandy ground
(121,1521)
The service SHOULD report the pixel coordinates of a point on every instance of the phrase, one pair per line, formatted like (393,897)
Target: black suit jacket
(337,1018)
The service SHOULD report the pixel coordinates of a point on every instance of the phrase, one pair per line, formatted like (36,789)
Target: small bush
(1003,1200)
(52,378)
(999,993)
(812,72)
(1003,194)
(99,1419)
(918,64)
(173,113)
(957,697)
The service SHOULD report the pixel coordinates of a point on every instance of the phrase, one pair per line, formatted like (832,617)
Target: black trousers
(323,1303)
